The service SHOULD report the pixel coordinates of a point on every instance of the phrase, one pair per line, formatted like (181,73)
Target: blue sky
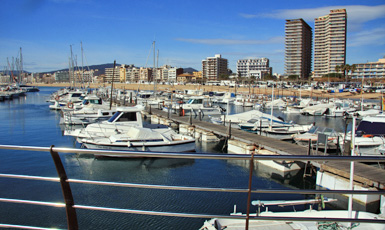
(186,32)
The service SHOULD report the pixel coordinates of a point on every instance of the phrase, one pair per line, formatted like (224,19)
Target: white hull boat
(142,139)
(122,120)
(285,132)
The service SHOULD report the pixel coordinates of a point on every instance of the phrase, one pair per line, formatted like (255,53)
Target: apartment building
(173,74)
(145,74)
(61,76)
(370,69)
(112,75)
(330,42)
(253,67)
(213,67)
(298,48)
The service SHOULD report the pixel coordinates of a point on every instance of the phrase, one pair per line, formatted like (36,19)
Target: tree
(346,69)
(353,68)
(337,68)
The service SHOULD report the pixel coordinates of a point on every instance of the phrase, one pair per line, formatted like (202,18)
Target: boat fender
(128,144)
(183,112)
(70,105)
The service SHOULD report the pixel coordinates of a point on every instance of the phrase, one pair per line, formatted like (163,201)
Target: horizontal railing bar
(52,179)
(208,189)
(42,203)
(189,215)
(199,189)
(206,216)
(198,155)
(24,227)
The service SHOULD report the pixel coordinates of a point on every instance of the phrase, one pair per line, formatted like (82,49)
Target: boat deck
(363,173)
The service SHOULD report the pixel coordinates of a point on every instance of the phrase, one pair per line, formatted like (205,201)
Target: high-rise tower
(298,47)
(330,42)
(214,67)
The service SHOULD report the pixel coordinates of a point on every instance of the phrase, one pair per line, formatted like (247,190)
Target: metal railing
(71,207)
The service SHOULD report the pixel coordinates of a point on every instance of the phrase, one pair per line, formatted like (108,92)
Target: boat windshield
(324,130)
(252,120)
(114,116)
(77,95)
(195,101)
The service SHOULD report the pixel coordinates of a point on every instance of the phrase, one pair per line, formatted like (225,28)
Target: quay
(330,174)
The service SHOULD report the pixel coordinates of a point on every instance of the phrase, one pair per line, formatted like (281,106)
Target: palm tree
(337,68)
(346,69)
(353,68)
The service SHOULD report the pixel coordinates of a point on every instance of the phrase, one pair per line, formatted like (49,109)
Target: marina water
(27,121)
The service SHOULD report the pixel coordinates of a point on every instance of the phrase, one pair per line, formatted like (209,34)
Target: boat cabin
(128,115)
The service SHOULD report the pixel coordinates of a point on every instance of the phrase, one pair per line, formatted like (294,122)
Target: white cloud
(219,41)
(367,37)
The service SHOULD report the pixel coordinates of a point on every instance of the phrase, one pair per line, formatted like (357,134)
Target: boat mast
(112,83)
(154,71)
(71,70)
(21,74)
(81,48)
(271,113)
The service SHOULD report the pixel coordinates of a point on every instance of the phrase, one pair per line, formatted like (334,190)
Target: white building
(253,67)
(370,69)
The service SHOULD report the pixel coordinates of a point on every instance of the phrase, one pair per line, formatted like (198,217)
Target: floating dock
(330,175)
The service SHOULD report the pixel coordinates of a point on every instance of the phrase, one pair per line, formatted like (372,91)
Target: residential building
(198,76)
(62,76)
(83,76)
(145,74)
(214,67)
(370,69)
(185,77)
(124,72)
(173,73)
(256,68)
(330,42)
(133,74)
(298,48)
(112,75)
(163,73)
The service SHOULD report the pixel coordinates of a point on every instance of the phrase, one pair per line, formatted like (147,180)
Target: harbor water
(27,121)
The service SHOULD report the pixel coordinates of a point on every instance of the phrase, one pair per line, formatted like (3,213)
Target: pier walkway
(363,173)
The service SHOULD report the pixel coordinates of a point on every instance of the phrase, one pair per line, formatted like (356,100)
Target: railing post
(72,220)
(249,192)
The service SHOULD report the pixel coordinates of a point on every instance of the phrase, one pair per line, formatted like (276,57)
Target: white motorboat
(89,103)
(224,97)
(142,139)
(283,133)
(197,105)
(316,110)
(263,121)
(234,224)
(67,100)
(91,109)
(369,135)
(276,104)
(123,119)
(84,117)
(240,117)
(312,136)
(303,103)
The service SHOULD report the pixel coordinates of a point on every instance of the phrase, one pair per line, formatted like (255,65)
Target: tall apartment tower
(330,42)
(298,47)
(213,67)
